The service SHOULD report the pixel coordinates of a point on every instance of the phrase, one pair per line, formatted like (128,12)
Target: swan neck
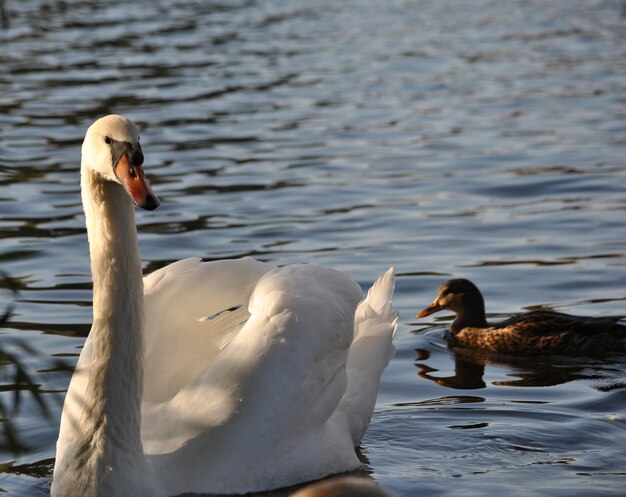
(113,404)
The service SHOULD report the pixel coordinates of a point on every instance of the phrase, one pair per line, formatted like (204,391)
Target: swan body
(535,332)
(228,376)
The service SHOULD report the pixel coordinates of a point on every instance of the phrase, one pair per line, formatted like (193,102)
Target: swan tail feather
(375,326)
(379,295)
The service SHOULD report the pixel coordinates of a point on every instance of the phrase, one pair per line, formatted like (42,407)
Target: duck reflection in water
(541,371)
(467,375)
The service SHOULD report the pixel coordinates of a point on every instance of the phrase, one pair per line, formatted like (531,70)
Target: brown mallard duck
(534,332)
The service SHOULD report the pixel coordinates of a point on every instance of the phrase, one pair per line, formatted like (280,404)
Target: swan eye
(108,140)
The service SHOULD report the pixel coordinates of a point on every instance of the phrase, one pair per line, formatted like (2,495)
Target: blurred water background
(483,139)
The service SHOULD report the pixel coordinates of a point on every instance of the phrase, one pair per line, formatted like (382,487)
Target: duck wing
(549,322)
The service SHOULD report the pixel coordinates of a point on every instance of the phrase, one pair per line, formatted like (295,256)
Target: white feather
(244,377)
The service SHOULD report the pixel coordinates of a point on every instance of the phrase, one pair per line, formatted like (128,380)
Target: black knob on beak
(137,157)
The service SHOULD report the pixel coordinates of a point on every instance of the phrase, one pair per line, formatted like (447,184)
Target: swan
(220,377)
(535,332)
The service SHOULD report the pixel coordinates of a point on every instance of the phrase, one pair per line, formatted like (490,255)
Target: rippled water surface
(482,139)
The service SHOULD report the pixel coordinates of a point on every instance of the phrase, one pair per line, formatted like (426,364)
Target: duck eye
(108,140)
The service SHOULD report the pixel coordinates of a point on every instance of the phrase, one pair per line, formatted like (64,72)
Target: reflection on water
(480,139)
(468,375)
(602,373)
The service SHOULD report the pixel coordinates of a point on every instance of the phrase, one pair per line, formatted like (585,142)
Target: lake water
(482,139)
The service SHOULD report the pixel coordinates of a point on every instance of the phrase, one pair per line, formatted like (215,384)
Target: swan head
(111,149)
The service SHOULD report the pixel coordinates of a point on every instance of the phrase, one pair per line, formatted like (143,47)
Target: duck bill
(431,309)
(135,183)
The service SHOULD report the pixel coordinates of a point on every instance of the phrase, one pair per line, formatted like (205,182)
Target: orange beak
(135,183)
(431,309)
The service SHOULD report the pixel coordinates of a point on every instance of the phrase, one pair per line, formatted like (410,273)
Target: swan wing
(290,395)
(267,398)
(192,310)
(376,323)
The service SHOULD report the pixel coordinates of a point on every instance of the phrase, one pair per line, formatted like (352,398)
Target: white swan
(241,376)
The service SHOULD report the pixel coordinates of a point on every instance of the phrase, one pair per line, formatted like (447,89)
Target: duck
(218,377)
(533,332)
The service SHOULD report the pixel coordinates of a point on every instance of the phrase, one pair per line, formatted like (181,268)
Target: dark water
(483,139)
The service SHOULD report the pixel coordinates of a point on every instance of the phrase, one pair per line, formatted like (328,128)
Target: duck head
(111,148)
(463,298)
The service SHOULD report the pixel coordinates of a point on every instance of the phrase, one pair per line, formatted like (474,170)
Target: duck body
(221,377)
(546,332)
(534,332)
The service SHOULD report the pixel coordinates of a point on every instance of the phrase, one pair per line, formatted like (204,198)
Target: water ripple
(479,139)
